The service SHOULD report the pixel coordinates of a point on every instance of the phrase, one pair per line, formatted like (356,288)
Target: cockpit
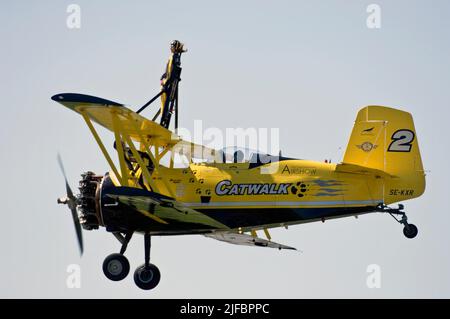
(245,155)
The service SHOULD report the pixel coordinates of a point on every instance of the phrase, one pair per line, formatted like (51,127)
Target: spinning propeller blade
(71,202)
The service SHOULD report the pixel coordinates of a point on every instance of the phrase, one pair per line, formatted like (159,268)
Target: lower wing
(244,239)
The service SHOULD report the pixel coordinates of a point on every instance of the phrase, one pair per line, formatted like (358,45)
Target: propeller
(71,202)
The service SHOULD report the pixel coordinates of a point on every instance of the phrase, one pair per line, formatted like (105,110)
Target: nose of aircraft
(88,200)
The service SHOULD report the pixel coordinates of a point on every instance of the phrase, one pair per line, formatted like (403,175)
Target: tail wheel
(410,231)
(147,277)
(116,267)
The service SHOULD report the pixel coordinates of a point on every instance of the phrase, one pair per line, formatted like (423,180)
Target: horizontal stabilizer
(247,240)
(362,170)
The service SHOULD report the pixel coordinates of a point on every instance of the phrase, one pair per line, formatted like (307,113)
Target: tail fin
(385,139)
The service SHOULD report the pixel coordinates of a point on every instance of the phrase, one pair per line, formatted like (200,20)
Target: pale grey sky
(305,67)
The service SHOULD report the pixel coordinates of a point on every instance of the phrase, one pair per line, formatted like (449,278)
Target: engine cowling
(89,187)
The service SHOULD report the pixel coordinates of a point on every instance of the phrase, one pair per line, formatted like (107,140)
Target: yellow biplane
(227,197)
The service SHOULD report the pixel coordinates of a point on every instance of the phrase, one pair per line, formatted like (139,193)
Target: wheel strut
(409,230)
(124,240)
(147,244)
(147,276)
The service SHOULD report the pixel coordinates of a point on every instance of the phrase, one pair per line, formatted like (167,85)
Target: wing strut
(150,102)
(120,151)
(102,147)
(152,158)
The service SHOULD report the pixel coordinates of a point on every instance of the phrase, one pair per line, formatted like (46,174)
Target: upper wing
(135,126)
(244,239)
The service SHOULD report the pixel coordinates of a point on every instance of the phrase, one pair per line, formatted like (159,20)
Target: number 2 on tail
(401,141)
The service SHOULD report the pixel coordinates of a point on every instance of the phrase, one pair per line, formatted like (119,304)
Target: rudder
(384,138)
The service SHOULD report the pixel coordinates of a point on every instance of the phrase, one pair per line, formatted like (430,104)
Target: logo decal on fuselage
(226,187)
(299,170)
(367,146)
(368,131)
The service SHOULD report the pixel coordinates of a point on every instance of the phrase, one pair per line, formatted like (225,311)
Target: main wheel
(116,267)
(147,277)
(410,231)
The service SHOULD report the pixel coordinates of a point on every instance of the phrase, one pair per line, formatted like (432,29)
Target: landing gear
(116,266)
(147,276)
(409,230)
